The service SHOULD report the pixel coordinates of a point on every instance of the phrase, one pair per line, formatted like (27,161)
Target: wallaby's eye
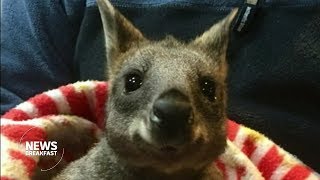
(208,88)
(133,81)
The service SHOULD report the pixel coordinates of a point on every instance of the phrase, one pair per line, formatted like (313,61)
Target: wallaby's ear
(215,40)
(119,33)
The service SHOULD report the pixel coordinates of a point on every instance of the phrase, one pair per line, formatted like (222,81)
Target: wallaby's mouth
(144,150)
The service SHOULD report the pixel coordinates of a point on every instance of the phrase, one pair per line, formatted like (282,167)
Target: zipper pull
(245,15)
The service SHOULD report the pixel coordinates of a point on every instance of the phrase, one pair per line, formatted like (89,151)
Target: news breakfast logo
(41,148)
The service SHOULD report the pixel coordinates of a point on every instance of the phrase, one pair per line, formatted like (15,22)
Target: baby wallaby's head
(166,109)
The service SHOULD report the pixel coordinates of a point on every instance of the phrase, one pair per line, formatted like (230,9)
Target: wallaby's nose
(171,116)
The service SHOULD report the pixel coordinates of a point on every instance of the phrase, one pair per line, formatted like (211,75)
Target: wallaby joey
(166,110)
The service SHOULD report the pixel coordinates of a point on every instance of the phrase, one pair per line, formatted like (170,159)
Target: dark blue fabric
(37,47)
(274,80)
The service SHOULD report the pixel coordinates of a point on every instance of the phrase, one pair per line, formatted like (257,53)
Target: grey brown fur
(129,149)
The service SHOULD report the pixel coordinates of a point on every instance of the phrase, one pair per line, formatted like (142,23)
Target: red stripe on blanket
(232,129)
(297,172)
(222,168)
(45,105)
(240,172)
(101,96)
(77,101)
(6,178)
(27,161)
(271,160)
(249,146)
(16,114)
(23,132)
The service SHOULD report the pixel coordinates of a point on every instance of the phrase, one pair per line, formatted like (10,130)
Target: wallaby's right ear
(119,33)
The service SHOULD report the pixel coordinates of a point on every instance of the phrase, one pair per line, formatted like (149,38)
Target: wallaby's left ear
(215,40)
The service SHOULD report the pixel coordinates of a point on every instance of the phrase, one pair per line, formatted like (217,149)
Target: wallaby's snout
(171,118)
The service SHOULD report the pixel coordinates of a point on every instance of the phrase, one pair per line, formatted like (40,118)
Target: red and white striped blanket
(72,116)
